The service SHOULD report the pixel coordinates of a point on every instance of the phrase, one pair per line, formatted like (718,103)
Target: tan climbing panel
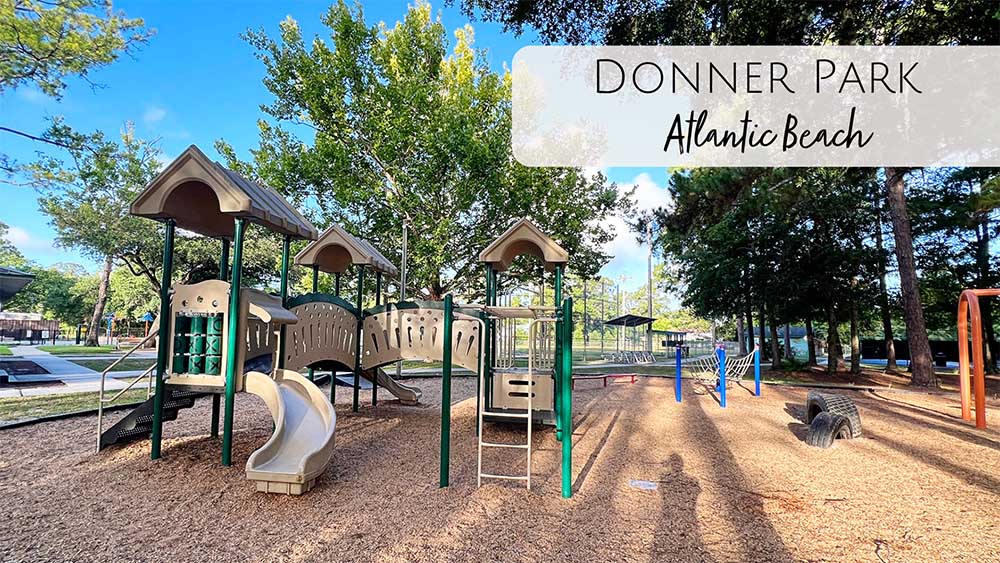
(510,390)
(417,334)
(326,331)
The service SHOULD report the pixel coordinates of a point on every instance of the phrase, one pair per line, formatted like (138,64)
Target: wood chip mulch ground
(728,485)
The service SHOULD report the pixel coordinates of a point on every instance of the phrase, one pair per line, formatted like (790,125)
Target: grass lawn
(128,364)
(20,408)
(5,351)
(77,350)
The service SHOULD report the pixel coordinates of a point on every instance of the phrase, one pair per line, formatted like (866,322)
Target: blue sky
(197,81)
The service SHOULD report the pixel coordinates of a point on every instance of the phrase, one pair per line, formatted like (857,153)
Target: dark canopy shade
(629,320)
(12,281)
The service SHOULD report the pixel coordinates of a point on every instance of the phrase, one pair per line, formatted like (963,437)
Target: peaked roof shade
(523,237)
(204,197)
(336,250)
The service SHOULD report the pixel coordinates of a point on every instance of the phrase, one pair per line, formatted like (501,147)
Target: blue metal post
(756,372)
(722,376)
(677,377)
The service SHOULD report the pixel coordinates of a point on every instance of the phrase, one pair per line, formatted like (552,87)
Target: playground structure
(968,313)
(541,391)
(217,338)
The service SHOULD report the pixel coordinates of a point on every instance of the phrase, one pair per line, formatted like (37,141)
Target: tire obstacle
(831,417)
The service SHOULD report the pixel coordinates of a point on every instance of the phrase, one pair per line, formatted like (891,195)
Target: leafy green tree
(9,254)
(42,43)
(404,128)
(63,292)
(87,198)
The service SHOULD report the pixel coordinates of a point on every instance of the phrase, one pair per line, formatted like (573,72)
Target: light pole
(402,282)
(649,288)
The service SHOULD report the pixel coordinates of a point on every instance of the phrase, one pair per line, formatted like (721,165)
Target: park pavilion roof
(204,197)
(336,249)
(630,320)
(523,237)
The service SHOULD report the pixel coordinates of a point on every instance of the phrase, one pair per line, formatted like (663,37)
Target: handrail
(104,376)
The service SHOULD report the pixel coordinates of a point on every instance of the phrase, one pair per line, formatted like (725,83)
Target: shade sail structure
(12,281)
(204,197)
(336,250)
(523,237)
(629,320)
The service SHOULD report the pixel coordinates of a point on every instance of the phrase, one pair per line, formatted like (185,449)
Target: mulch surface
(734,484)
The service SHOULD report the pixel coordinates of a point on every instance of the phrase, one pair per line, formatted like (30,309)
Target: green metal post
(446,392)
(163,338)
(315,286)
(559,284)
(233,322)
(223,275)
(559,368)
(336,284)
(355,402)
(285,251)
(566,410)
(378,301)
(491,299)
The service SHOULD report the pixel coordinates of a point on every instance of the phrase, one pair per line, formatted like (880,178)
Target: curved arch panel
(417,333)
(325,331)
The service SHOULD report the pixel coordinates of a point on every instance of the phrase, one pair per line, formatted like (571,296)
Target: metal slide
(302,443)
(407,395)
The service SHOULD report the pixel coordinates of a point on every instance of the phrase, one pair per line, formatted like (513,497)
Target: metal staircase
(139,422)
(527,415)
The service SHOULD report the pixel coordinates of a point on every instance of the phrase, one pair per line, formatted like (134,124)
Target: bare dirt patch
(734,484)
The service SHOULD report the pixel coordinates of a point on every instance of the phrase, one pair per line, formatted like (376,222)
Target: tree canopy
(380,125)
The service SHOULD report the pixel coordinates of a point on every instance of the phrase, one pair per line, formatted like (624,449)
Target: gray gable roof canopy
(630,320)
(336,250)
(204,197)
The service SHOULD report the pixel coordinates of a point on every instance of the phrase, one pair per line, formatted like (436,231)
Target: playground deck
(731,485)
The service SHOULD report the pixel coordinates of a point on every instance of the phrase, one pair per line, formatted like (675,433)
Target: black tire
(841,405)
(825,428)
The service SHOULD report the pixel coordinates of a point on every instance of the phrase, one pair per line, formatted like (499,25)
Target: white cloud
(154,114)
(629,257)
(28,243)
(32,95)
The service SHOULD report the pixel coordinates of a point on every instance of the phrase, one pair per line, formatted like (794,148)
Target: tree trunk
(986,281)
(788,341)
(811,341)
(855,340)
(775,352)
(883,296)
(921,362)
(832,341)
(102,300)
(741,336)
(750,333)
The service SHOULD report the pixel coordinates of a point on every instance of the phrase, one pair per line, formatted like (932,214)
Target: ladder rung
(495,445)
(506,414)
(508,477)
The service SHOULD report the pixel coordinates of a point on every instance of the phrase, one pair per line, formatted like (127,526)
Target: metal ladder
(527,415)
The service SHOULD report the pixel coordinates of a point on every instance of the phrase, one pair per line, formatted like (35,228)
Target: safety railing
(102,400)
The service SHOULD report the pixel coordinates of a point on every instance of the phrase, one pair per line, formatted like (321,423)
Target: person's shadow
(678,536)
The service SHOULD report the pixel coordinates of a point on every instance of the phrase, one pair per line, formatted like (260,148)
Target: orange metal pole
(964,310)
(971,296)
